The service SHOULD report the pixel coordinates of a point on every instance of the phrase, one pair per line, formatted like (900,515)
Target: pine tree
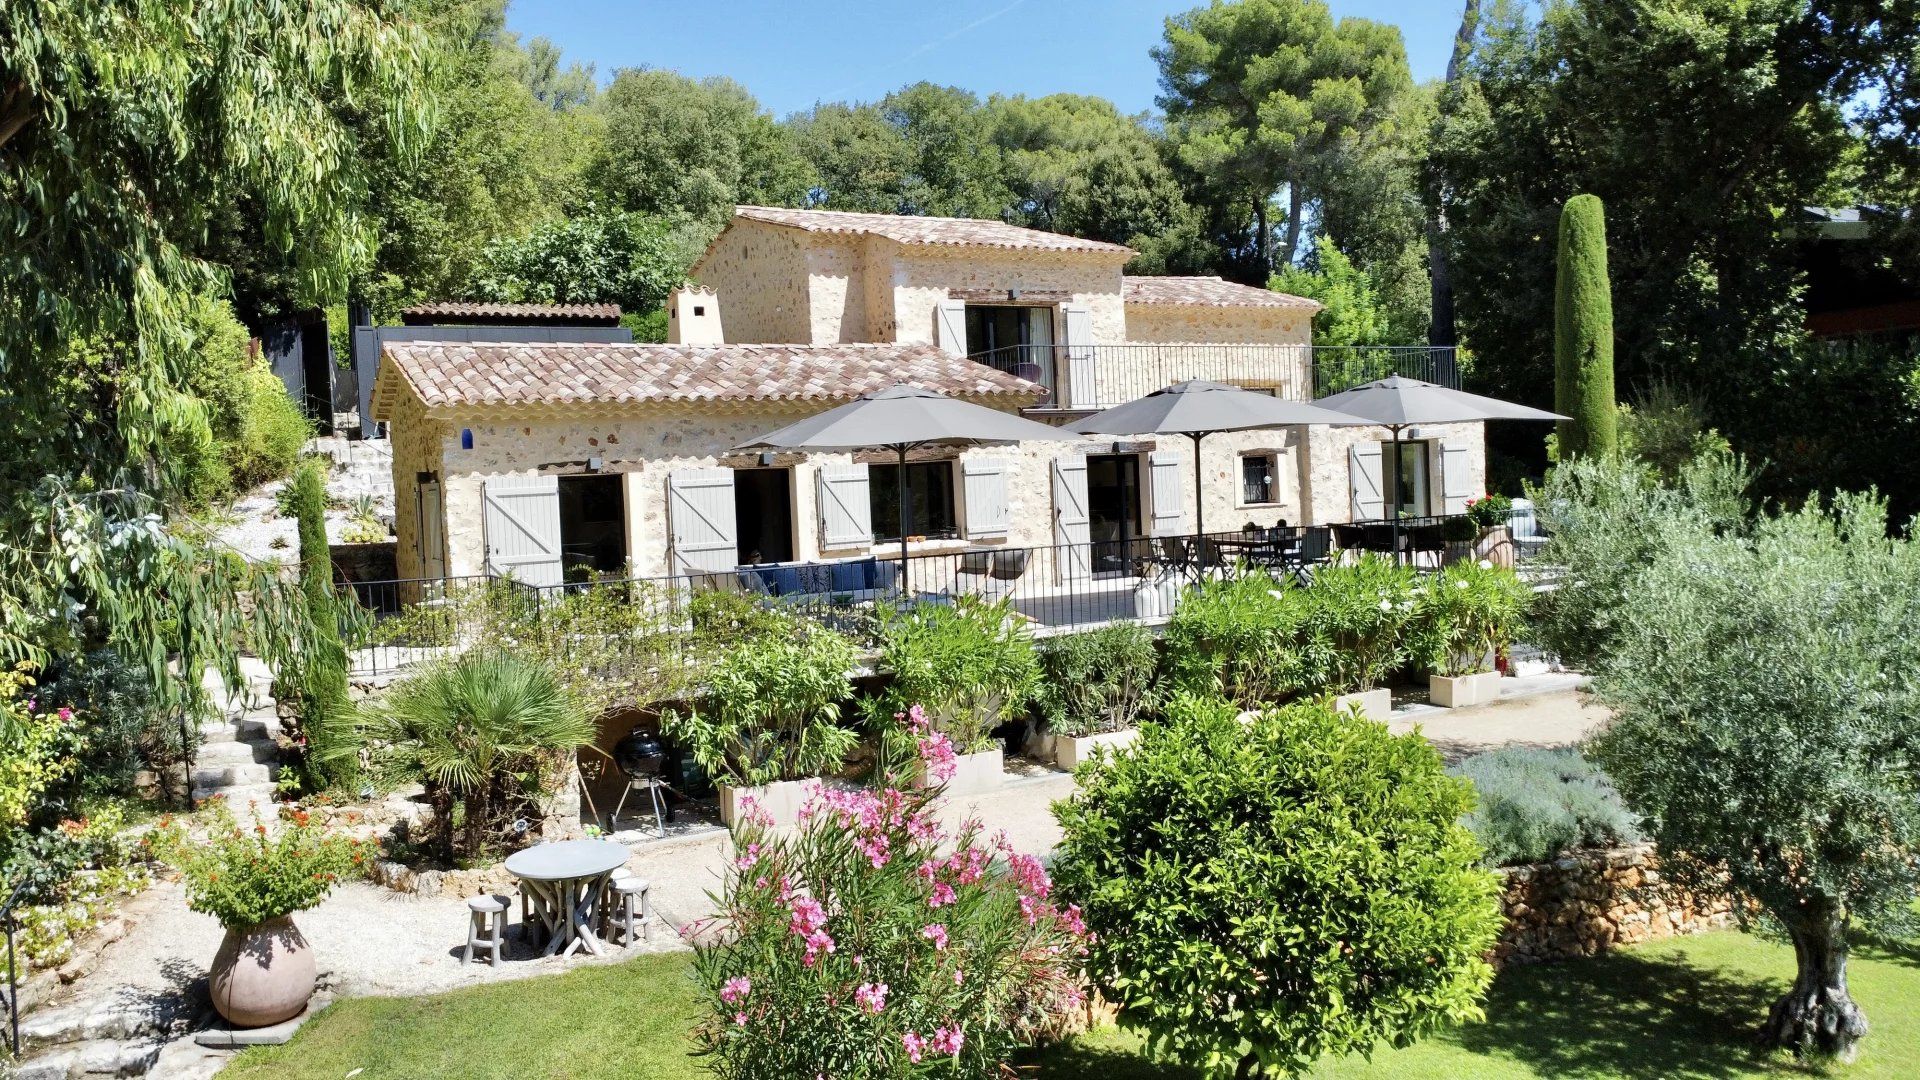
(1583,332)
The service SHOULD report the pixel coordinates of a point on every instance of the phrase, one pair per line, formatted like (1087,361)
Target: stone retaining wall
(1585,904)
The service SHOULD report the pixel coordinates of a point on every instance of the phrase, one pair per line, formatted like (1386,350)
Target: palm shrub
(1357,617)
(1764,688)
(1105,680)
(1536,803)
(1464,614)
(1244,638)
(771,710)
(970,665)
(1263,894)
(486,732)
(871,943)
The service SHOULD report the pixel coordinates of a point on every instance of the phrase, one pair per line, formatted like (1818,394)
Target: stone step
(237,795)
(231,774)
(114,1020)
(235,753)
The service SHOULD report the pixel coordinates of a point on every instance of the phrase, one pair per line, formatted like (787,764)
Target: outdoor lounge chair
(970,576)
(1008,566)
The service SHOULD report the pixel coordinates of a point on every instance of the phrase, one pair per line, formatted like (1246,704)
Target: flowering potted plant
(871,942)
(1463,623)
(253,881)
(963,669)
(1495,543)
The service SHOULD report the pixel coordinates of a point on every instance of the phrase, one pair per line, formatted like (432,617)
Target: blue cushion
(782,580)
(855,576)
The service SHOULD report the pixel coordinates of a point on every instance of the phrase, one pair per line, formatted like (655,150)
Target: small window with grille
(1259,479)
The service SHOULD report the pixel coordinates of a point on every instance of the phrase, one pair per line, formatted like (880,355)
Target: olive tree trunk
(1818,1017)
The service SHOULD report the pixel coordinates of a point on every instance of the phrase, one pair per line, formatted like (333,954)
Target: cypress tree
(321,679)
(1583,332)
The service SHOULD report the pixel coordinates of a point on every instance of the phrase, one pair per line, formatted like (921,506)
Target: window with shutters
(930,503)
(1259,479)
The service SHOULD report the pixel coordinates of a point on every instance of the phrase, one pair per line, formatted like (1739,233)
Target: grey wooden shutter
(846,506)
(984,481)
(431,535)
(1456,478)
(950,327)
(1365,478)
(700,515)
(1072,526)
(1166,474)
(1078,320)
(522,523)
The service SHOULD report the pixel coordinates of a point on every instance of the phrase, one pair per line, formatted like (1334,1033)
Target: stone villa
(534,458)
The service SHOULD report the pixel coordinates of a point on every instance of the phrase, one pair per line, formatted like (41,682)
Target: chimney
(693,317)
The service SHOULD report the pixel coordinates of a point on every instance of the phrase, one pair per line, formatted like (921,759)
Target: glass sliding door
(1016,340)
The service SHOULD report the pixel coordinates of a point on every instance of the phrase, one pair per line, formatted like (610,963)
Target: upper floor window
(1016,340)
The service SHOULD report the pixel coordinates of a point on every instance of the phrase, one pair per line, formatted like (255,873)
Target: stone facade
(1594,901)
(1161,323)
(1328,476)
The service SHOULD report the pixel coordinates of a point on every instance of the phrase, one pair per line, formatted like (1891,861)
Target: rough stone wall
(838,292)
(922,277)
(1174,323)
(1586,904)
(759,272)
(416,443)
(1327,475)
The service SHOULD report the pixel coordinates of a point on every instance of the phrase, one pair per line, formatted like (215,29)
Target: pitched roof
(928,231)
(465,309)
(1207,292)
(458,376)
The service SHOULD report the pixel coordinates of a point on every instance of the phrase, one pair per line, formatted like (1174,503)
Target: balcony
(1084,378)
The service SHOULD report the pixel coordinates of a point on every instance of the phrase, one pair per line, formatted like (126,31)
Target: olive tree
(1269,891)
(1766,697)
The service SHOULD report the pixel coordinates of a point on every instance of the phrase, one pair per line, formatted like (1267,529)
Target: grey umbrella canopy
(1397,402)
(901,418)
(1198,408)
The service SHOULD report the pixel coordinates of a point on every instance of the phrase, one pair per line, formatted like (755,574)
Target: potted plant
(1094,689)
(253,880)
(770,720)
(1495,542)
(1459,533)
(969,666)
(1356,619)
(1465,617)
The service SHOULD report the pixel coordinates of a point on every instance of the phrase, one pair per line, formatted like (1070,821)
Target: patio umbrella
(1397,403)
(1198,408)
(902,418)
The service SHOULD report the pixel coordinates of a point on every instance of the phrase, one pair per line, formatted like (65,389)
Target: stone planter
(1374,704)
(1495,545)
(975,773)
(262,974)
(1068,751)
(781,801)
(1460,691)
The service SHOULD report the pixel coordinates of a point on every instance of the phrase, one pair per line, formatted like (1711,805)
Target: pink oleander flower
(749,857)
(740,1019)
(871,997)
(936,933)
(942,895)
(65,714)
(959,976)
(736,989)
(947,1040)
(914,1044)
(937,755)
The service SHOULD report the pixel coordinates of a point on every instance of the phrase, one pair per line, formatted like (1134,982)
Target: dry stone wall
(1585,904)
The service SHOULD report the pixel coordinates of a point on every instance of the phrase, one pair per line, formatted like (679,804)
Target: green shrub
(1490,511)
(1357,619)
(272,431)
(119,730)
(1106,680)
(771,710)
(1535,804)
(970,665)
(246,878)
(1465,614)
(1269,893)
(1243,638)
(31,739)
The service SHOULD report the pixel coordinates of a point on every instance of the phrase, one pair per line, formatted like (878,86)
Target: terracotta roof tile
(461,375)
(472,309)
(1207,292)
(931,231)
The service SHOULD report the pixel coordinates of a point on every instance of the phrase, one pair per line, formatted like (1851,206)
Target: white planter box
(782,801)
(1068,751)
(1460,691)
(975,773)
(1375,704)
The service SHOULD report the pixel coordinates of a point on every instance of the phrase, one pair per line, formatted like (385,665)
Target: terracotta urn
(1496,546)
(263,974)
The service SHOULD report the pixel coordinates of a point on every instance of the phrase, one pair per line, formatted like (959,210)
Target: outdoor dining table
(1260,551)
(566,880)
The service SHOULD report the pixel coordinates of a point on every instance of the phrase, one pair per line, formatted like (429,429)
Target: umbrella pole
(1393,493)
(1199,497)
(900,487)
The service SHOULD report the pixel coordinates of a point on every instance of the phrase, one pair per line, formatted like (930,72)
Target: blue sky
(794,54)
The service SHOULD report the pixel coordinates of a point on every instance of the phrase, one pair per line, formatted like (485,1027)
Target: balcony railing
(1085,377)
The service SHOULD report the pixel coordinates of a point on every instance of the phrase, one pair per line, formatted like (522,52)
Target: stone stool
(629,914)
(488,929)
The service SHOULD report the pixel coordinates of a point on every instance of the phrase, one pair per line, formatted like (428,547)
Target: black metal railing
(1102,376)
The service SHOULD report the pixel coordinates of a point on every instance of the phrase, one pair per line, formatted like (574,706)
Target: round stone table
(565,880)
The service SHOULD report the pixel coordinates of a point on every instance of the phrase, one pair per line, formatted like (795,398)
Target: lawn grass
(1678,1009)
